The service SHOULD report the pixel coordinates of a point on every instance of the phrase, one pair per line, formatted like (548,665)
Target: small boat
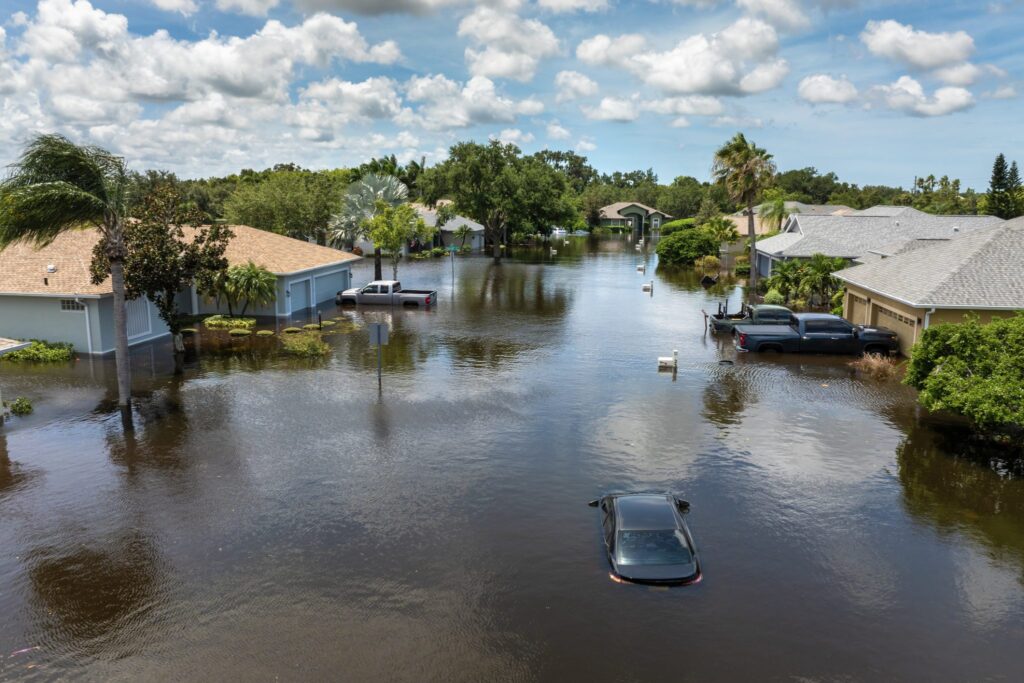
(559,232)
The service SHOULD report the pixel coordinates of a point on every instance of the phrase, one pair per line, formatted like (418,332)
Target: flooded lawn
(275,518)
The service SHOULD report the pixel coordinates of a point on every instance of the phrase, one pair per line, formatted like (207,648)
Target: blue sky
(876,91)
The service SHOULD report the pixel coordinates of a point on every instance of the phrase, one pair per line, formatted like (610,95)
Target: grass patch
(264,333)
(292,330)
(329,323)
(306,345)
(223,322)
(40,351)
(876,366)
(311,326)
(239,332)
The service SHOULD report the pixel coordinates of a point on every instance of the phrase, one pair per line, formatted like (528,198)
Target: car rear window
(661,546)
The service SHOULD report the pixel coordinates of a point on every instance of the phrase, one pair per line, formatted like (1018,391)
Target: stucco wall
(105,338)
(30,317)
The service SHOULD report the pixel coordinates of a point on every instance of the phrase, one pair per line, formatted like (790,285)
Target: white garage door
(329,285)
(300,296)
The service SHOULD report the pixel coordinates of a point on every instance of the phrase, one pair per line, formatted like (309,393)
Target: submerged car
(646,538)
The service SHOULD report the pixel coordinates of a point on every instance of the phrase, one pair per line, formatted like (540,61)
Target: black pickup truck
(816,333)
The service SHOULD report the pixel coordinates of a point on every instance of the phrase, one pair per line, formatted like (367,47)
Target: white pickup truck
(388,293)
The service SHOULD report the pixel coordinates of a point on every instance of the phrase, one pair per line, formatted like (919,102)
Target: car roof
(645,511)
(770,307)
(816,316)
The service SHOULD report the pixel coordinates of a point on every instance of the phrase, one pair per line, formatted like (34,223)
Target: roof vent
(956,228)
(51,268)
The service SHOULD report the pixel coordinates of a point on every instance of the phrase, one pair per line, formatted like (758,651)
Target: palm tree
(255,284)
(359,205)
(788,277)
(818,278)
(745,170)
(722,229)
(57,186)
(773,211)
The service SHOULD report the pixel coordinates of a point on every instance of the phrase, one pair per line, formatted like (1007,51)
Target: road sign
(378,334)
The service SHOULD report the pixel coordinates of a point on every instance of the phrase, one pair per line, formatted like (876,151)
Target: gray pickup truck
(387,293)
(816,333)
(760,314)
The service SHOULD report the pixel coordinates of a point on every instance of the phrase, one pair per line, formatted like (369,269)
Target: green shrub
(437,252)
(799,304)
(743,269)
(686,246)
(40,351)
(973,369)
(223,322)
(677,225)
(465,249)
(20,406)
(239,332)
(311,326)
(708,264)
(837,301)
(265,333)
(601,230)
(742,260)
(292,330)
(774,297)
(329,323)
(306,344)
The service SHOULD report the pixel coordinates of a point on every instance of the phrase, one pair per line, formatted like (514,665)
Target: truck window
(370,289)
(840,326)
(397,287)
(817,327)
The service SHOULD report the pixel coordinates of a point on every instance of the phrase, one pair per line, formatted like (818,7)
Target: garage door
(858,310)
(329,285)
(300,296)
(900,324)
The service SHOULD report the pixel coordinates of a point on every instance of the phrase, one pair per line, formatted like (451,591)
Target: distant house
(47,293)
(739,218)
(938,281)
(636,217)
(445,236)
(862,235)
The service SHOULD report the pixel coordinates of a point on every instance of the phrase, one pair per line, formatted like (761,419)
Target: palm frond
(40,212)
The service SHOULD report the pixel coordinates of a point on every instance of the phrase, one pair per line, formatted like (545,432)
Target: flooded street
(273,518)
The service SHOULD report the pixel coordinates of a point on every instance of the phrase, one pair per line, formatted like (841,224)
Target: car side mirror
(684,506)
(594,503)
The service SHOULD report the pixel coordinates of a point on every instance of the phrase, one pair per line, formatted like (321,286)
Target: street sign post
(379,338)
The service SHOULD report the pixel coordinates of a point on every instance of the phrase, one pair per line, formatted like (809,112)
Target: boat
(559,232)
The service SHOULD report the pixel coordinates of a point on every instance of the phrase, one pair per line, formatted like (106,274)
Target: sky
(878,92)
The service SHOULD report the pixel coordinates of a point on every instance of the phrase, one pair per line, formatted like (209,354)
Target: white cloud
(918,49)
(573,5)
(694,105)
(443,103)
(822,88)
(398,6)
(783,14)
(613,109)
(185,7)
(586,145)
(254,8)
(765,77)
(907,95)
(556,131)
(1005,92)
(603,50)
(508,46)
(572,85)
(513,136)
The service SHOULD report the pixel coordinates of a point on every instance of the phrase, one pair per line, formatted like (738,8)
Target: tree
(686,246)
(393,227)
(975,370)
(722,229)
(252,283)
(287,200)
(773,210)
(745,170)
(160,260)
(56,186)
(708,210)
(574,167)
(463,232)
(787,278)
(495,186)
(1014,189)
(682,198)
(817,277)
(1000,203)
(361,202)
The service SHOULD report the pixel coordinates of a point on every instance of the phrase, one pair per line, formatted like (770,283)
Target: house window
(71,305)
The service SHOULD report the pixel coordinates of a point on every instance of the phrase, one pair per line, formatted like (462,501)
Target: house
(445,237)
(860,235)
(739,218)
(939,281)
(637,217)
(47,293)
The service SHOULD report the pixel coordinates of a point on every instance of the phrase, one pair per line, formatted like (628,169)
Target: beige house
(939,281)
(639,218)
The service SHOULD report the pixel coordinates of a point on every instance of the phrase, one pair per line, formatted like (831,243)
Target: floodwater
(277,519)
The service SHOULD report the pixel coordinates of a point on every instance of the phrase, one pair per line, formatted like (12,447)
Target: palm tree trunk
(378,270)
(124,377)
(752,294)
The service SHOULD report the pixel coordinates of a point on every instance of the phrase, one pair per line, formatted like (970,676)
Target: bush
(774,297)
(601,230)
(265,333)
(292,330)
(311,326)
(465,249)
(743,269)
(708,264)
(329,323)
(799,304)
(306,344)
(876,365)
(40,351)
(686,246)
(973,369)
(677,225)
(437,252)
(742,260)
(223,322)
(239,332)
(21,406)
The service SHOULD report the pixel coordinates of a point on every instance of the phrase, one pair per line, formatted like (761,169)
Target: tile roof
(612,210)
(856,236)
(23,267)
(983,269)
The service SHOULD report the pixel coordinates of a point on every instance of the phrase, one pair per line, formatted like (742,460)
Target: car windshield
(660,546)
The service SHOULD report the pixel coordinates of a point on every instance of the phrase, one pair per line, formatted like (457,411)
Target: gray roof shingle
(983,269)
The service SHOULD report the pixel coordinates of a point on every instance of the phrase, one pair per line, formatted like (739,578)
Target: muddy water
(275,518)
